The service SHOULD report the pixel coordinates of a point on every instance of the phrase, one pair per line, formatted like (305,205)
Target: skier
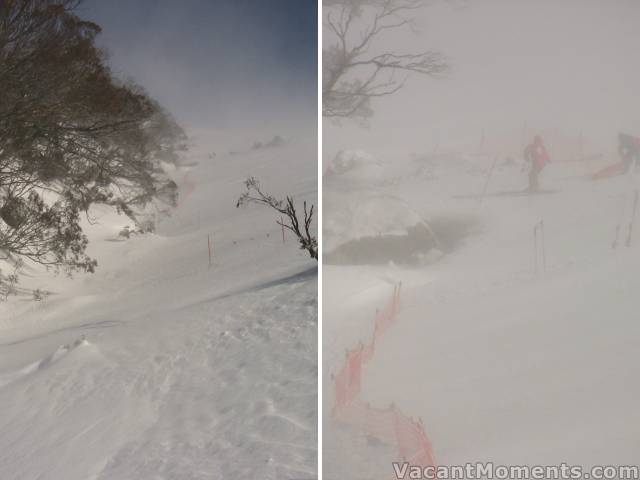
(629,150)
(537,155)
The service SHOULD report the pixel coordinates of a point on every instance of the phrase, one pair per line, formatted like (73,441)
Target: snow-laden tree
(71,136)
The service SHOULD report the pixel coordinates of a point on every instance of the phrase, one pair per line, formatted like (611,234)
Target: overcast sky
(225,64)
(572,65)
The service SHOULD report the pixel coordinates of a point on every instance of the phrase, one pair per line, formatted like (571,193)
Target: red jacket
(537,154)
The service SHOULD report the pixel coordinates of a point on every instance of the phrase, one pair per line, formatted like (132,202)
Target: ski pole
(209,246)
(623,209)
(486,183)
(544,253)
(535,247)
(633,218)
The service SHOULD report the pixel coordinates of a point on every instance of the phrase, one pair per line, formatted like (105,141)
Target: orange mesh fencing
(388,425)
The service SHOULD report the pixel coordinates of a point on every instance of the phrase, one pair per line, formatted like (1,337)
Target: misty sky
(571,65)
(225,64)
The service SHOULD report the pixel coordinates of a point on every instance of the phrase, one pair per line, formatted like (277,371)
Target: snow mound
(378,229)
(436,165)
(44,363)
(354,167)
(382,215)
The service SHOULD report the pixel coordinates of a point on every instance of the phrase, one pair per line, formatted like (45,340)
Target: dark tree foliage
(301,228)
(71,136)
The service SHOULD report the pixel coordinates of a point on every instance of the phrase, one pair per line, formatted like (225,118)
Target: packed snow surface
(160,366)
(504,361)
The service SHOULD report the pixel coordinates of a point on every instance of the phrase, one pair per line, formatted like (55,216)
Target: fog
(516,67)
(233,66)
(487,292)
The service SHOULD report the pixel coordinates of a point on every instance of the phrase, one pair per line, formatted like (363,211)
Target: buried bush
(39,295)
(9,283)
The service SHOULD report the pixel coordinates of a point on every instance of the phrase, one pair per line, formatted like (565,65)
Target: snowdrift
(159,365)
(364,226)
(378,229)
(503,362)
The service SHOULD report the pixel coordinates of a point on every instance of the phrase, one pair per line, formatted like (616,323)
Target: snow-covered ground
(159,367)
(501,362)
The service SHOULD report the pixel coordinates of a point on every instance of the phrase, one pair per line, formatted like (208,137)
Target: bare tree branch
(306,239)
(352,76)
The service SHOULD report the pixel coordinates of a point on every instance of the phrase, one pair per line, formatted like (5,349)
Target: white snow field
(502,363)
(159,367)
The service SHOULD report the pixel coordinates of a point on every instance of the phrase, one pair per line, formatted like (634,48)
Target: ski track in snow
(158,367)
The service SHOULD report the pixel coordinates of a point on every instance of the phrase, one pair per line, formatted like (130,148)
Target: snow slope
(159,367)
(502,363)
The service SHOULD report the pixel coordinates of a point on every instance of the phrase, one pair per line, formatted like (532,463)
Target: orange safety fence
(388,425)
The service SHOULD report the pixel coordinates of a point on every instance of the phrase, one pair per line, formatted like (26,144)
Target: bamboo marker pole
(539,245)
(486,182)
(210,249)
